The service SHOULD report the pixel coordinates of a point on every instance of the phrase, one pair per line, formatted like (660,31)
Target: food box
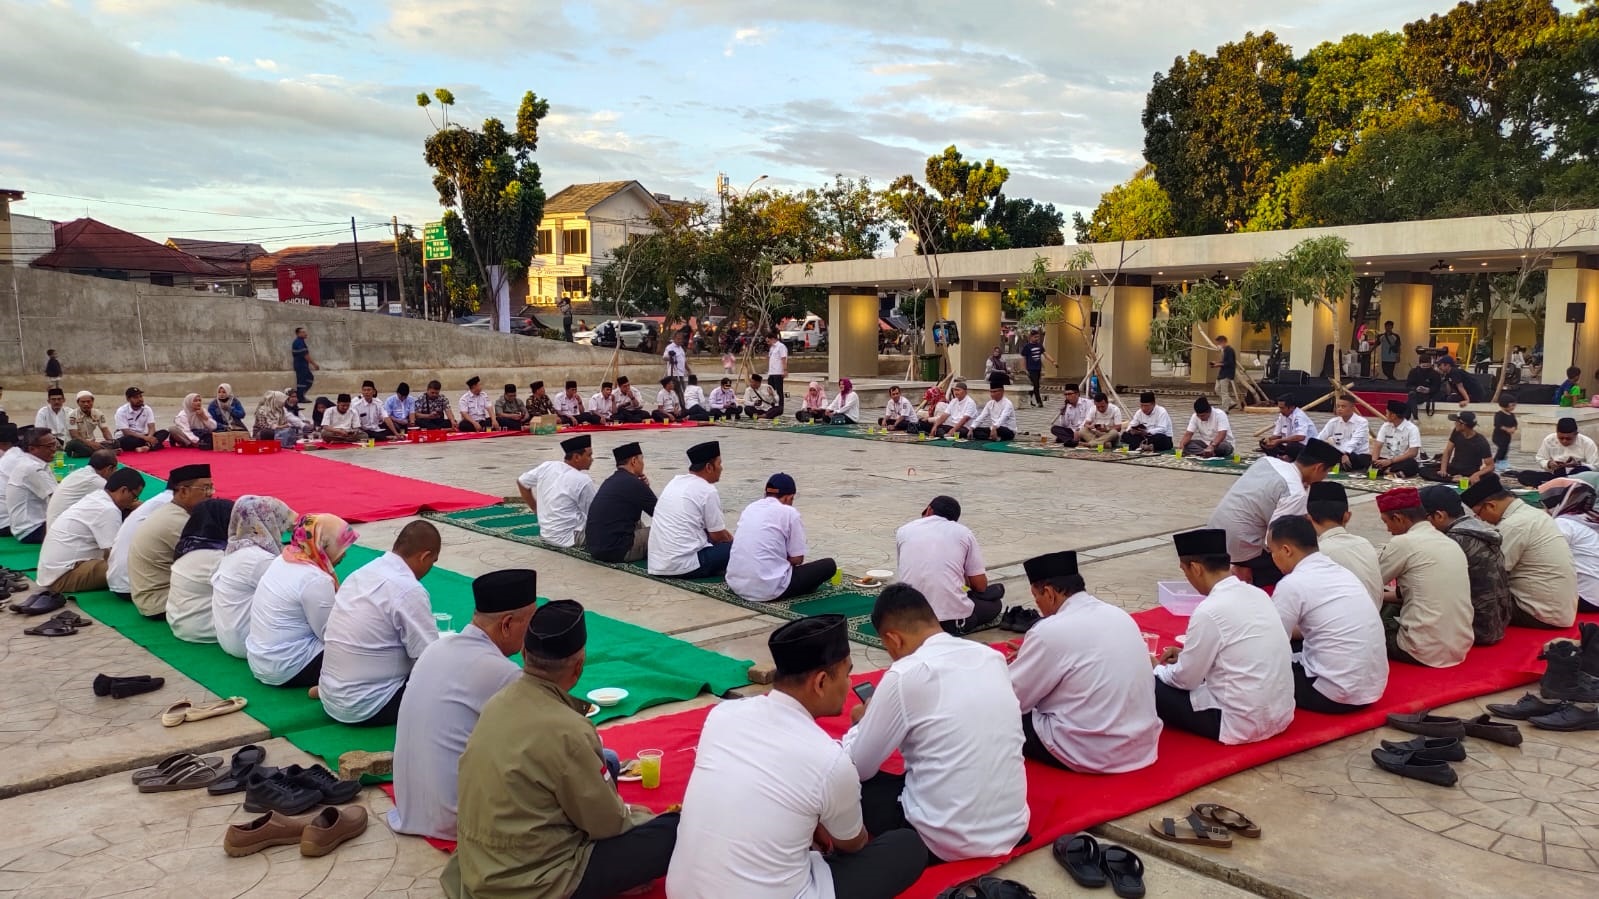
(226,441)
(436,435)
(256,447)
(1178,598)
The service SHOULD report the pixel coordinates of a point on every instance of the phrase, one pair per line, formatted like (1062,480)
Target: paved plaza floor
(1521,820)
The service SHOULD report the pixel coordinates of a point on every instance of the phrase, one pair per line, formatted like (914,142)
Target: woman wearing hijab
(814,406)
(996,363)
(226,410)
(292,602)
(255,538)
(1571,503)
(195,558)
(845,409)
(192,426)
(272,420)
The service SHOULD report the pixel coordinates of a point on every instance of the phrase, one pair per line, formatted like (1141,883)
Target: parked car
(810,334)
(634,335)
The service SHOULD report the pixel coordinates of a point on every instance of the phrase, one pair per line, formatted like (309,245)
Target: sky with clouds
(271,120)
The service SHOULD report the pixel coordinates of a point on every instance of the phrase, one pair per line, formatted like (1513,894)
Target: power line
(269,218)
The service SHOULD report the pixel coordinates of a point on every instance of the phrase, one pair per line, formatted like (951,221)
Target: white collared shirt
(475,406)
(1344,644)
(960,411)
(1083,674)
(1000,413)
(765,775)
(570,406)
(628,398)
(847,405)
(666,400)
(1204,430)
(128,419)
(1397,440)
(83,532)
(1157,421)
(563,494)
(117,565)
(762,399)
(1269,489)
(1352,437)
(287,619)
(936,556)
(1237,660)
(769,534)
(232,591)
(72,488)
(1355,553)
(688,510)
(1582,451)
(602,405)
(949,709)
(777,359)
(189,596)
(449,685)
(8,463)
(1074,417)
(723,397)
(28,492)
(348,420)
(381,621)
(53,420)
(899,409)
(676,362)
(369,413)
(1294,424)
(1111,418)
(1584,543)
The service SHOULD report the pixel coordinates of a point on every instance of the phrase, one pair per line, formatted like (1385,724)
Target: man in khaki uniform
(1543,574)
(150,556)
(1427,615)
(538,814)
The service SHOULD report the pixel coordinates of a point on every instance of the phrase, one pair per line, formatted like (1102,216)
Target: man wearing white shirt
(1269,489)
(74,553)
(1341,662)
(603,404)
(1209,433)
(134,423)
(1104,426)
(629,403)
(668,403)
(676,358)
(52,416)
(898,413)
(569,408)
(29,487)
(955,415)
(1074,413)
(1150,428)
(89,479)
(340,424)
(1398,443)
(1327,507)
(1233,680)
(477,408)
(688,535)
(371,415)
(1565,452)
(997,421)
(947,706)
(1349,434)
(768,784)
(776,365)
(11,453)
(117,577)
(846,406)
(381,621)
(760,400)
(939,557)
(768,556)
(1082,677)
(1289,433)
(449,685)
(724,402)
(559,492)
(695,405)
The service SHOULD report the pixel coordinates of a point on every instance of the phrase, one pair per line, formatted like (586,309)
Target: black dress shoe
(1407,764)
(1522,709)
(1428,725)
(1432,749)
(1568,718)
(1484,729)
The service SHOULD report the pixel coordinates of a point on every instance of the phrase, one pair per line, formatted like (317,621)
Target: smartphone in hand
(864,691)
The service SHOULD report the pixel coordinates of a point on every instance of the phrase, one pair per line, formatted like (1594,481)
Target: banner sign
(300,284)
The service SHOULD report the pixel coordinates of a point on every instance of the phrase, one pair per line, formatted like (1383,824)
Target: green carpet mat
(18,557)
(654,668)
(515,522)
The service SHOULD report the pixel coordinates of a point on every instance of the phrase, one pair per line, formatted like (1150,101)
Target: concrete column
(974,307)
(1313,331)
(1199,371)
(1065,339)
(1405,298)
(1573,279)
(851,333)
(1126,314)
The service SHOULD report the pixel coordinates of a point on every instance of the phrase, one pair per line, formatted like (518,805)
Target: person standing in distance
(303,363)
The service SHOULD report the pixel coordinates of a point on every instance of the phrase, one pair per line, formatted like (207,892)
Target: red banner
(300,284)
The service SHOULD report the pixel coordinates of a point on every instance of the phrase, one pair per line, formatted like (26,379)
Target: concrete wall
(112,333)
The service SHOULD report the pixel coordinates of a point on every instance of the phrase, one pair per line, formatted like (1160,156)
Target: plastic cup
(1465,483)
(649,768)
(1335,470)
(1371,473)
(1179,452)
(838,577)
(444,621)
(1151,642)
(1237,458)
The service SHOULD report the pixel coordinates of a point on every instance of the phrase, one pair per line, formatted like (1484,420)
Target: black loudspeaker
(1292,377)
(1576,313)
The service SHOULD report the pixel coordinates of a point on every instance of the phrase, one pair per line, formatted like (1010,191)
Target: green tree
(489,176)
(1020,222)
(1136,209)
(1355,85)
(1468,59)
(949,211)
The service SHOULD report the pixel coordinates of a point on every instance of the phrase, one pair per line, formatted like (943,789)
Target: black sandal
(52,628)
(72,618)
(1125,871)
(1079,854)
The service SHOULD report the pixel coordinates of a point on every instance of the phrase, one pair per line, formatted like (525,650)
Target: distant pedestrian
(565,305)
(1388,344)
(52,369)
(303,363)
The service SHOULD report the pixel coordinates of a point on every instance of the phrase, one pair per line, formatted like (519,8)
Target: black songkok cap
(1486,488)
(701,453)
(1050,565)
(809,644)
(1203,542)
(574,445)
(1316,450)
(185,473)
(1327,492)
(1566,426)
(627,451)
(1399,408)
(557,630)
(473,381)
(505,590)
(571,385)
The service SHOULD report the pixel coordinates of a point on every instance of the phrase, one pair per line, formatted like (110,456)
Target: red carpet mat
(309,483)
(454,436)
(641,426)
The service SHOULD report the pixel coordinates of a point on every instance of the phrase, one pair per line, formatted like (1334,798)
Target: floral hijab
(320,540)
(259,521)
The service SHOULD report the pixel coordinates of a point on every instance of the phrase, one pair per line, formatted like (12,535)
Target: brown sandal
(1197,832)
(1232,819)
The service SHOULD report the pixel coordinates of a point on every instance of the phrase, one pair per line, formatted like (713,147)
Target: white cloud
(746,37)
(266,65)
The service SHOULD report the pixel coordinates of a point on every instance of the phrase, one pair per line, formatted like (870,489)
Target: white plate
(593,710)
(881,574)
(605,697)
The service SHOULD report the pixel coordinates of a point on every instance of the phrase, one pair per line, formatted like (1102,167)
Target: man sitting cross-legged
(1070,423)
(1491,601)
(510,411)
(450,683)
(614,532)
(1566,452)
(341,424)
(75,552)
(1290,432)
(1209,433)
(761,401)
(370,414)
(997,420)
(1150,428)
(668,403)
(602,405)
(1233,680)
(86,480)
(1082,678)
(898,413)
(569,408)
(560,491)
(954,416)
(1327,507)
(87,430)
(1268,490)
(773,807)
(946,705)
(433,410)
(1104,427)
(629,403)
(689,537)
(1341,662)
(381,621)
(477,408)
(1348,433)
(1467,455)
(939,556)
(768,557)
(1398,443)
(1427,614)
(724,402)
(1543,578)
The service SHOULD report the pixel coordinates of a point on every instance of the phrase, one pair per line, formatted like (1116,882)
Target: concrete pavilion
(1403,253)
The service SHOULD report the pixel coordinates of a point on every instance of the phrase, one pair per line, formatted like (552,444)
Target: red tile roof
(337,262)
(86,244)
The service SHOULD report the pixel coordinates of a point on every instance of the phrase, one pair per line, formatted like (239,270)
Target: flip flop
(171,762)
(1198,833)
(1233,820)
(72,618)
(1079,854)
(225,707)
(1125,870)
(190,775)
(989,888)
(52,628)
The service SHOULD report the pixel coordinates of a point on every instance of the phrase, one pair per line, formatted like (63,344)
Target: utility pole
(399,262)
(360,280)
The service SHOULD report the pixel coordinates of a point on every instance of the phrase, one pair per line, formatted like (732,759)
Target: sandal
(1233,820)
(1125,870)
(72,618)
(1079,854)
(224,707)
(190,775)
(1198,832)
(51,628)
(989,888)
(171,762)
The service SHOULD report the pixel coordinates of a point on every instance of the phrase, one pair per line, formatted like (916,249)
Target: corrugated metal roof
(583,197)
(85,244)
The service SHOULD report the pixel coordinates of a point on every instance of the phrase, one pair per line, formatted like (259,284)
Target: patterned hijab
(320,540)
(259,521)
(815,396)
(207,527)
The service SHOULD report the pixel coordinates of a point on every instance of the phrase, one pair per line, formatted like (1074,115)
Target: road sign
(434,231)
(435,242)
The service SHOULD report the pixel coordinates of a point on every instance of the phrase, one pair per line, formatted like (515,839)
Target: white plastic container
(1178,598)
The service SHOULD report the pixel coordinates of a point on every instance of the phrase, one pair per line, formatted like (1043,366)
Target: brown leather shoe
(332,826)
(271,829)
